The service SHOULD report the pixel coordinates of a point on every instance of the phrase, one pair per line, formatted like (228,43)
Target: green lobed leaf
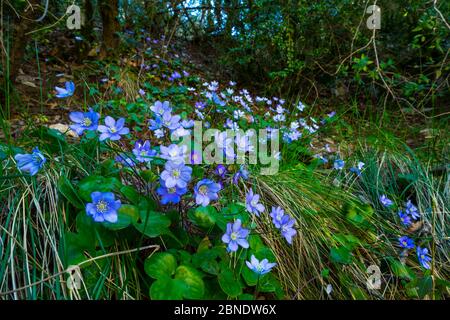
(153,225)
(229,283)
(160,265)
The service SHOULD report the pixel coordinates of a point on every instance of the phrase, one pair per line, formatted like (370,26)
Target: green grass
(324,216)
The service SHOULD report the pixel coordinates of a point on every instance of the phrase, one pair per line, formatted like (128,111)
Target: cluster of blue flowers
(410,213)
(32,162)
(284,222)
(406,217)
(88,121)
(236,236)
(339,164)
(164,120)
(143,151)
(176,176)
(240,108)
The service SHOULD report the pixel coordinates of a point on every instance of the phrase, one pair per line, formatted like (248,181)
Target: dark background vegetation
(313,49)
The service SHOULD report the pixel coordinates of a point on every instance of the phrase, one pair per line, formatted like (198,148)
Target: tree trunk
(109,10)
(87,30)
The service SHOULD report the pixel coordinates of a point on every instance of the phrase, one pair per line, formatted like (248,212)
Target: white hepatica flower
(300,106)
(225,143)
(180,132)
(174,153)
(199,115)
(243,143)
(280,109)
(208,95)
(279,118)
(159,133)
(329,289)
(238,114)
(294,135)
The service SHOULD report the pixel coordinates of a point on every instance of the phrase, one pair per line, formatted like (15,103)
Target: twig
(440,14)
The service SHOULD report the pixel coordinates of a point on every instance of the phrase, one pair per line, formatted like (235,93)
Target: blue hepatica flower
(277,214)
(412,210)
(286,228)
(215,98)
(159,133)
(406,242)
(404,218)
(176,174)
(175,75)
(67,91)
(321,158)
(161,107)
(187,123)
(174,153)
(30,163)
(170,195)
(155,124)
(242,173)
(385,201)
(235,236)
(180,132)
(200,105)
(84,121)
(196,157)
(143,151)
(424,258)
(252,203)
(221,170)
(170,121)
(113,129)
(339,164)
(103,207)
(358,168)
(205,191)
(260,267)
